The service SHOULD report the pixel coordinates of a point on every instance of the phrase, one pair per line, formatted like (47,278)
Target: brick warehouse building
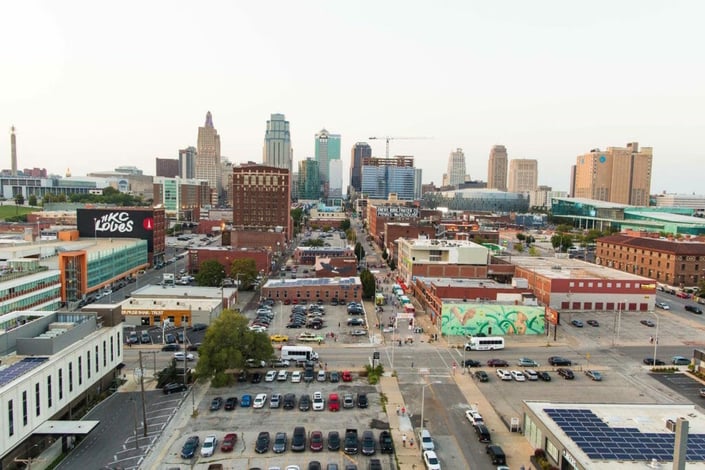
(262,199)
(672,262)
(226,256)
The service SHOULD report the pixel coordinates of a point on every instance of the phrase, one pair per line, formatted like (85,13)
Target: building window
(88,363)
(49,391)
(112,354)
(10,418)
(61,384)
(97,360)
(70,377)
(105,354)
(118,342)
(581,284)
(571,284)
(619,285)
(24,408)
(37,396)
(80,371)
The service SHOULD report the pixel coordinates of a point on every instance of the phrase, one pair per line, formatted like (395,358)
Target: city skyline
(557,82)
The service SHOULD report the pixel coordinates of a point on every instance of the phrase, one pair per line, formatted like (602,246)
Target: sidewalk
(408,457)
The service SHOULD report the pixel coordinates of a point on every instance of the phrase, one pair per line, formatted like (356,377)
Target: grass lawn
(11,211)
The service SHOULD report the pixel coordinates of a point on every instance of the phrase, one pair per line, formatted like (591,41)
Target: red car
(347,376)
(287,301)
(683,295)
(316,441)
(229,442)
(497,363)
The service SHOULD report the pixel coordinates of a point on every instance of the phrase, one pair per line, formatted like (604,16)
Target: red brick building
(672,262)
(310,290)
(226,256)
(262,199)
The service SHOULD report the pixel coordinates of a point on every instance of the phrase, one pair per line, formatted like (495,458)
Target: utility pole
(144,406)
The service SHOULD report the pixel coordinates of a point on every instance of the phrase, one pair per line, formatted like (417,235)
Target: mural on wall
(492,319)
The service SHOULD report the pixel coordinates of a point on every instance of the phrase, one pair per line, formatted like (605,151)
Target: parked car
(693,309)
(497,363)
(188,450)
(216,403)
(296,377)
(171,347)
(431,461)
(245,401)
(319,403)
(347,376)
(230,403)
(260,400)
(229,442)
(481,376)
(262,442)
(559,361)
(565,373)
(362,400)
(518,375)
(275,400)
(662,305)
(333,402)
(577,323)
(210,443)
(680,361)
(280,441)
(173,388)
(182,356)
(386,444)
(474,417)
(504,374)
(526,362)
(368,443)
(333,440)
(650,361)
(304,403)
(298,440)
(425,440)
(472,363)
(545,376)
(594,375)
(316,441)
(648,323)
(593,323)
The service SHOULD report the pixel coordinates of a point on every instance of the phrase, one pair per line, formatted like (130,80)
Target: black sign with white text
(116,223)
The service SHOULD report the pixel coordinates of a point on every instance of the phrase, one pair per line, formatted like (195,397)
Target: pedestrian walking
(403,411)
(403,440)
(651,339)
(338,324)
(412,364)
(398,408)
(411,442)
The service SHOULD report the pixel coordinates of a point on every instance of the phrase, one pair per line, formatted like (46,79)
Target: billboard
(403,212)
(492,319)
(116,223)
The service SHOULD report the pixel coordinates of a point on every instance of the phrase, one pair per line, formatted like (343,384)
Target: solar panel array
(600,441)
(19,368)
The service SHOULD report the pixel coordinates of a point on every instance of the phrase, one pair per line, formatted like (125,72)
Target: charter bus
(484,343)
(298,353)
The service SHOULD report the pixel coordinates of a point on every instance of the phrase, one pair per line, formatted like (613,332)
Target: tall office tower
(523,175)
(208,158)
(335,178)
(359,151)
(261,198)
(456,168)
(382,176)
(327,149)
(226,169)
(309,184)
(187,162)
(13,152)
(277,143)
(618,174)
(497,168)
(167,167)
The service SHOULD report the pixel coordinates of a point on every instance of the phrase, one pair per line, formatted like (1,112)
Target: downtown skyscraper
(456,168)
(497,168)
(523,175)
(208,158)
(327,149)
(360,151)
(277,150)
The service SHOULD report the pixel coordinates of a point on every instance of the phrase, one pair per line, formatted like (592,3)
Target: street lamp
(656,339)
(423,397)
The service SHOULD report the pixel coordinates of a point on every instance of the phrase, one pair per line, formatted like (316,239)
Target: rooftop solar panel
(20,368)
(599,441)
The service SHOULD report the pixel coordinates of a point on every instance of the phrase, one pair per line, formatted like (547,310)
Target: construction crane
(387,139)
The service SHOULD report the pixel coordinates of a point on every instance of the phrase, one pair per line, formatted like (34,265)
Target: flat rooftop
(436,244)
(566,268)
(194,292)
(472,283)
(307,282)
(609,436)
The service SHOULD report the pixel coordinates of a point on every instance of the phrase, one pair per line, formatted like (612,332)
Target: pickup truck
(351,445)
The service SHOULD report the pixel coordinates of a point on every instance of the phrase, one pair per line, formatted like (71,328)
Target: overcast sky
(93,85)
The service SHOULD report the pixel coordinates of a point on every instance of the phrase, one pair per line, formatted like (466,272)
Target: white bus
(484,343)
(298,353)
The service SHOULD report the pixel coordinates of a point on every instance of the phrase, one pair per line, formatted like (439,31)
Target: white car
(260,400)
(209,445)
(504,374)
(518,376)
(182,356)
(662,305)
(271,376)
(319,404)
(431,460)
(296,377)
(426,441)
(283,375)
(474,417)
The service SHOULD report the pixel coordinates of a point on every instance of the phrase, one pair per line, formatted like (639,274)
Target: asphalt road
(112,443)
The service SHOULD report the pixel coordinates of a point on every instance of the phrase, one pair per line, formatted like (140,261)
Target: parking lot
(248,422)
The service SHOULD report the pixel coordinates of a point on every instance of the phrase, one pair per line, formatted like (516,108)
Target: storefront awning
(66,427)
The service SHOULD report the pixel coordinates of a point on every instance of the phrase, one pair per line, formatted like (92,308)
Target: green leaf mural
(492,319)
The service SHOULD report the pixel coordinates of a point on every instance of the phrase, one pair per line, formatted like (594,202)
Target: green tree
(19,200)
(562,241)
(32,200)
(521,237)
(359,251)
(210,274)
(533,251)
(246,269)
(351,235)
(345,225)
(227,345)
(368,284)
(313,242)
